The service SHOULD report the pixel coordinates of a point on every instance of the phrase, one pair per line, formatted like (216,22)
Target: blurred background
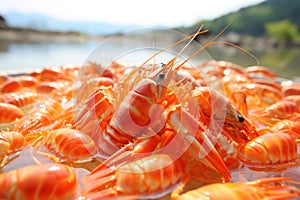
(40,33)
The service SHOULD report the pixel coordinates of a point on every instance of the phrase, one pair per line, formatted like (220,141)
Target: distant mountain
(252,20)
(2,22)
(46,23)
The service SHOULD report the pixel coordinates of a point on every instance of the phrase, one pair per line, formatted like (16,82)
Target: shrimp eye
(161,76)
(163,64)
(241,118)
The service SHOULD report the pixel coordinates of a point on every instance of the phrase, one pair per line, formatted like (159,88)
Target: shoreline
(25,35)
(11,34)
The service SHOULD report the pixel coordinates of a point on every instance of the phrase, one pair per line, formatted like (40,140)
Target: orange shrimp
(90,78)
(14,84)
(48,181)
(70,71)
(68,144)
(90,86)
(10,142)
(105,81)
(19,99)
(10,113)
(269,82)
(65,119)
(294,98)
(287,126)
(140,104)
(98,69)
(217,112)
(196,135)
(92,115)
(144,95)
(43,115)
(152,174)
(117,70)
(48,87)
(267,188)
(278,111)
(261,95)
(260,72)
(49,74)
(3,78)
(269,151)
(185,131)
(147,107)
(64,93)
(291,89)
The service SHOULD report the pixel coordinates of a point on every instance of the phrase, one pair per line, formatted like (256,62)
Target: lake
(22,57)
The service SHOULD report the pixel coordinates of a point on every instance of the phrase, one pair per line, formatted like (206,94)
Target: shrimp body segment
(48,181)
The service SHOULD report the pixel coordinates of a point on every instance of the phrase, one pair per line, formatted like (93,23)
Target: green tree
(283,31)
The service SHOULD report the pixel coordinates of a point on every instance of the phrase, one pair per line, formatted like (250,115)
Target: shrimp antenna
(205,46)
(194,36)
(240,48)
(174,44)
(212,41)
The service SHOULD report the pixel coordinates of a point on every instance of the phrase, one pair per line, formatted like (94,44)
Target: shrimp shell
(154,173)
(48,181)
(269,151)
(70,144)
(14,84)
(9,113)
(10,141)
(268,188)
(43,115)
(19,99)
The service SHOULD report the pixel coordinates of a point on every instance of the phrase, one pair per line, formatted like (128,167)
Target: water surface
(16,57)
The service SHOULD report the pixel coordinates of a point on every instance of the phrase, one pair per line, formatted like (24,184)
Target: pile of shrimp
(217,130)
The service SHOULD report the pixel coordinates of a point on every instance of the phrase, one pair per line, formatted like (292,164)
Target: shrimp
(91,77)
(278,111)
(291,89)
(98,69)
(294,98)
(19,99)
(10,113)
(268,82)
(48,181)
(195,137)
(10,142)
(67,144)
(14,84)
(267,188)
(287,126)
(43,115)
(261,95)
(140,105)
(150,106)
(49,74)
(260,72)
(269,151)
(217,112)
(151,174)
(92,115)
(120,132)
(48,87)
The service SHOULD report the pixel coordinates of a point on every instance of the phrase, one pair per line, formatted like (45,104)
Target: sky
(129,12)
